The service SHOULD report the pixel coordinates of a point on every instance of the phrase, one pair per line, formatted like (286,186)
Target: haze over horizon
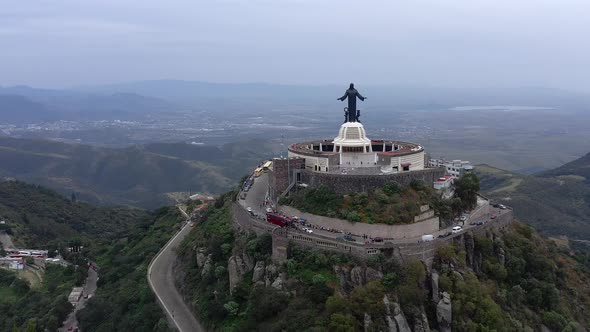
(459,44)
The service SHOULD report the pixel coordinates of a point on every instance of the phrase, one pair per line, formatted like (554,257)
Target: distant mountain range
(139,176)
(28,105)
(556,202)
(192,91)
(164,95)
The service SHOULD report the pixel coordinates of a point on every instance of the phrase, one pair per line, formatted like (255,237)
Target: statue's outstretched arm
(360,96)
(343,97)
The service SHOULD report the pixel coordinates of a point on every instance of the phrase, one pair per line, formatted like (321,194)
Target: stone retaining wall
(388,232)
(424,251)
(347,183)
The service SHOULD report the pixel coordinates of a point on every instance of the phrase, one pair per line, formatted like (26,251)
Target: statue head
(351,86)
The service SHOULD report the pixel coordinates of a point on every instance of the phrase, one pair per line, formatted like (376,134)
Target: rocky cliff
(503,280)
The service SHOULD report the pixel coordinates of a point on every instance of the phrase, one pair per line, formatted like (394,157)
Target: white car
(308,230)
(269,210)
(457,229)
(463,218)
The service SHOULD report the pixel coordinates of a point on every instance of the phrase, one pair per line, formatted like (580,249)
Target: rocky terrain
(511,280)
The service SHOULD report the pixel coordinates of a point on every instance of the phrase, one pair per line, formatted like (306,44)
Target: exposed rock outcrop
(278,283)
(444,313)
(258,273)
(421,321)
(367,322)
(270,274)
(350,278)
(201,257)
(206,266)
(400,319)
(501,255)
(372,275)
(357,277)
(237,266)
(434,284)
(395,319)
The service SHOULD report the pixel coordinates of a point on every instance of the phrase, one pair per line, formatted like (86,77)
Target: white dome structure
(352,138)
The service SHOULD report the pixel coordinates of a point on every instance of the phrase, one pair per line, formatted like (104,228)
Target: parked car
(473,223)
(349,238)
(378,239)
(502,206)
(493,216)
(269,210)
(456,229)
(428,237)
(463,218)
(479,223)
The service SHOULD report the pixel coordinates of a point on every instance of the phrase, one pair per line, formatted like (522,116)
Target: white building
(444,185)
(455,168)
(352,151)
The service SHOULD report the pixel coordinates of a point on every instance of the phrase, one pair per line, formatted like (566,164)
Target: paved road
(257,193)
(162,283)
(90,289)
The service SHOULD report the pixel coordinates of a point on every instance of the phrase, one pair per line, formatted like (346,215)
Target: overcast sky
(452,43)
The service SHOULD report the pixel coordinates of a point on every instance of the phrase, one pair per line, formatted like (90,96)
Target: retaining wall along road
(389,232)
(348,183)
(404,249)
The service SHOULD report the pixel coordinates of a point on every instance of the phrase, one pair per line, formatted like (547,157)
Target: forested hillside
(120,240)
(512,280)
(556,202)
(139,176)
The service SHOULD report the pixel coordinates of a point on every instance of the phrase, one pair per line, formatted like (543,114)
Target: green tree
(32,325)
(52,324)
(554,320)
(466,188)
(337,304)
(342,323)
(232,308)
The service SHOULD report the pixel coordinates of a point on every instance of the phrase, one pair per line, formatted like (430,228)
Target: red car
(493,216)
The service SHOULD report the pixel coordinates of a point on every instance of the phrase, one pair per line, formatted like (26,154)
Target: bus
(277,219)
(257,172)
(266,166)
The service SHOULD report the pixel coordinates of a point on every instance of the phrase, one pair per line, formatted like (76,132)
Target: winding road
(161,282)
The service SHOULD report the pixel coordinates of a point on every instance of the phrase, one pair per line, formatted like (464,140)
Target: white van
(427,237)
(457,229)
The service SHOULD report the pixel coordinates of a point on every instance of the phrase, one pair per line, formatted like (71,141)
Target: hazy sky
(436,42)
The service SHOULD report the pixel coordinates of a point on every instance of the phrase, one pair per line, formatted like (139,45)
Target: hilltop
(508,280)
